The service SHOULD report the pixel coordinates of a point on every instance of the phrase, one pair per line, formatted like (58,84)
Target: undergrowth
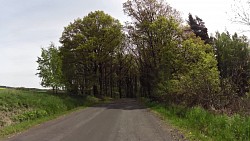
(199,124)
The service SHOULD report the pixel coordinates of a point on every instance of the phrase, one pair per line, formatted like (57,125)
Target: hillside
(20,107)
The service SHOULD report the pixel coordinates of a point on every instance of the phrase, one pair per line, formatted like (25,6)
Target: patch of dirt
(6,116)
(5,121)
(178,135)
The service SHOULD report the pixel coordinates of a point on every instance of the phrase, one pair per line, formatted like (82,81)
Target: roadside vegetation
(199,124)
(21,109)
(160,57)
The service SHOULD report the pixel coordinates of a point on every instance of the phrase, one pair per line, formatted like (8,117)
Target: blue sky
(28,25)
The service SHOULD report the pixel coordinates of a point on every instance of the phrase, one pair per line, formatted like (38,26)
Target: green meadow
(21,109)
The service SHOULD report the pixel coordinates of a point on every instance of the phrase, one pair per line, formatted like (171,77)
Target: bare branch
(241,13)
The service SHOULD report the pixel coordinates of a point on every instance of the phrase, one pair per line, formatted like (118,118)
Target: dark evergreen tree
(198,27)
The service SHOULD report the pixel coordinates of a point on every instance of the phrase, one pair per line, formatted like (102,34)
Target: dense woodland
(156,55)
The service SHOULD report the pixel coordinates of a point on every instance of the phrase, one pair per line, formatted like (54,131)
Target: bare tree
(241,13)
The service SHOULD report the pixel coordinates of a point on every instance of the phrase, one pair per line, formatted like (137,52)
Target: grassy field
(21,109)
(199,124)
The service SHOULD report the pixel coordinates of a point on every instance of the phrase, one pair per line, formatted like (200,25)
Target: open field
(21,109)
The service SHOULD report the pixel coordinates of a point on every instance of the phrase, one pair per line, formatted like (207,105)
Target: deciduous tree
(49,67)
(148,37)
(88,49)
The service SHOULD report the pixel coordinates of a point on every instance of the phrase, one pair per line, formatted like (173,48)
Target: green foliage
(154,32)
(49,67)
(88,51)
(92,99)
(19,106)
(232,53)
(30,115)
(155,55)
(173,65)
(193,74)
(197,81)
(203,125)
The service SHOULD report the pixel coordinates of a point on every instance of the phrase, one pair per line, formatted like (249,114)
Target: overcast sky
(28,25)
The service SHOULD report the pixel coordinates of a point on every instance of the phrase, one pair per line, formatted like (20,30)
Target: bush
(196,79)
(30,115)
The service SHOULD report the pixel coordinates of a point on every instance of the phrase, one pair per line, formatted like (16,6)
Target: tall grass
(18,108)
(200,124)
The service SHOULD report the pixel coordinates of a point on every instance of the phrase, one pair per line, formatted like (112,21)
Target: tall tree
(148,44)
(173,65)
(49,67)
(126,70)
(232,53)
(198,27)
(88,49)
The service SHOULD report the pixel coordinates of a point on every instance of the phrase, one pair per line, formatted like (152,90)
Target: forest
(157,55)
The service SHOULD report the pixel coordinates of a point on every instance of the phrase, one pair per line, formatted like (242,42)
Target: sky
(28,25)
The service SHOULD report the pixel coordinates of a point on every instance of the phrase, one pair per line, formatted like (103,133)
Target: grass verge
(20,110)
(199,124)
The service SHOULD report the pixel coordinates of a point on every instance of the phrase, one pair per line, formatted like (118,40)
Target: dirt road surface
(122,120)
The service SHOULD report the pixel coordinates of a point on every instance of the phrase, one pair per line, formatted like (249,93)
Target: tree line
(156,55)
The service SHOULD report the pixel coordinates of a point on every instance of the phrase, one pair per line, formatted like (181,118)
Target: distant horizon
(2,86)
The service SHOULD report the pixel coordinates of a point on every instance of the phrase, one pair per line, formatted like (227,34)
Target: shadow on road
(124,104)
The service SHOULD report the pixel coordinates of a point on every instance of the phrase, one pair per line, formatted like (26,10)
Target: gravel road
(122,120)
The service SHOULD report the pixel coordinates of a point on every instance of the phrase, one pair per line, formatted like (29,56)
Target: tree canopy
(154,56)
(232,52)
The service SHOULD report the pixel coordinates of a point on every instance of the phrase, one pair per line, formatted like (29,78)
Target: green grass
(22,109)
(199,124)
